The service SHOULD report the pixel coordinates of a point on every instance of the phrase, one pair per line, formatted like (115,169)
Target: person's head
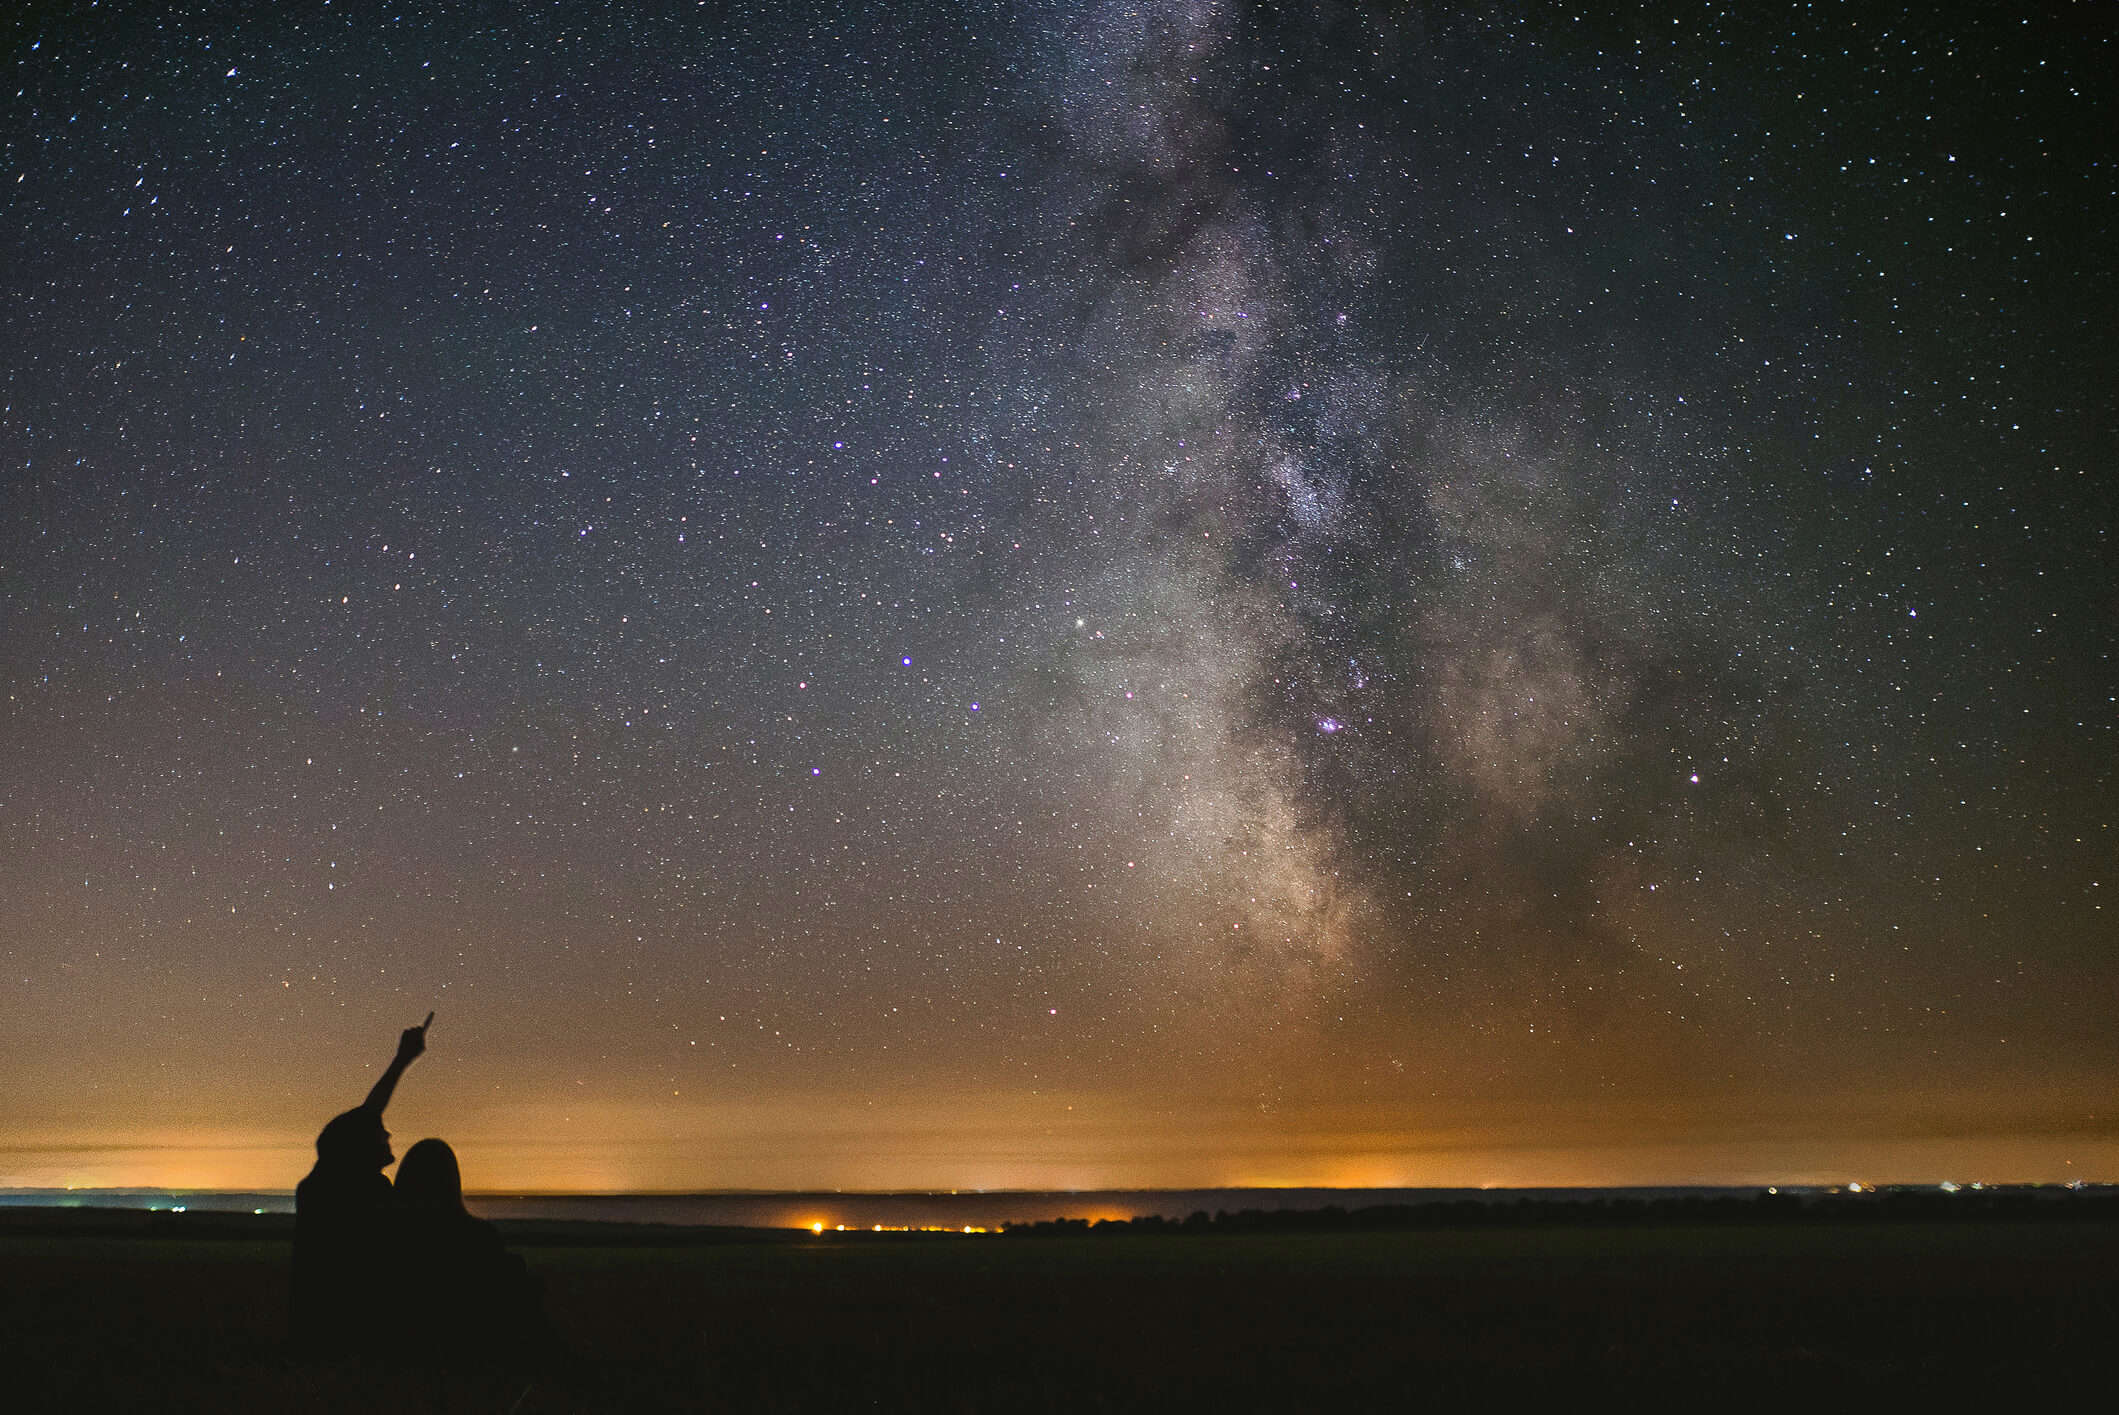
(429,1178)
(354,1140)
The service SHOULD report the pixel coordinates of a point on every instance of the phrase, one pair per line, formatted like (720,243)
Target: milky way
(1157,593)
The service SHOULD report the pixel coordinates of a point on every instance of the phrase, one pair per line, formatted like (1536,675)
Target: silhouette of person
(464,1296)
(342,1220)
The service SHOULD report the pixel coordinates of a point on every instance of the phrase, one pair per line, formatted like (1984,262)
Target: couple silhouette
(402,1272)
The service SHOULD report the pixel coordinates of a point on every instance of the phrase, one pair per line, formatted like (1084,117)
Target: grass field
(1737,1315)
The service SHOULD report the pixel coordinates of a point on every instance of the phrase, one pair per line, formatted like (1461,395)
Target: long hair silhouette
(429,1179)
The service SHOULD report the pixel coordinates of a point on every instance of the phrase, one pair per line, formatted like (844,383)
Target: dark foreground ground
(176,1317)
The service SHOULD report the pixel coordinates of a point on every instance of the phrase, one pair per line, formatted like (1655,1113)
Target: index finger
(428,1023)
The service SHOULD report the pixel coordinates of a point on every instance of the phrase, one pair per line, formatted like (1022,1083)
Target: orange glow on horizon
(781,1158)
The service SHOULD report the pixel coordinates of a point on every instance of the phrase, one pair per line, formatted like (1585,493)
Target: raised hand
(410,1044)
(414,1040)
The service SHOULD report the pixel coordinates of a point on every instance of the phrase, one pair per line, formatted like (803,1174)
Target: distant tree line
(2012,1204)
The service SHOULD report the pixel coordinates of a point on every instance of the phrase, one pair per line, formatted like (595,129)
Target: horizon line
(1855,1185)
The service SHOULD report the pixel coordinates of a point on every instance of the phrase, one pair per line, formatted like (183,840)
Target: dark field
(194,1319)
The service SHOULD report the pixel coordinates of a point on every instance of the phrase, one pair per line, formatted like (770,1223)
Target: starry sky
(1060,595)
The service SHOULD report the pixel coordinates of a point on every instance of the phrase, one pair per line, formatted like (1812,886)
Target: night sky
(1061,595)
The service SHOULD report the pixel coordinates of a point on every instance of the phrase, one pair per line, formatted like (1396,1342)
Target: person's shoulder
(341,1188)
(474,1232)
(473,1240)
